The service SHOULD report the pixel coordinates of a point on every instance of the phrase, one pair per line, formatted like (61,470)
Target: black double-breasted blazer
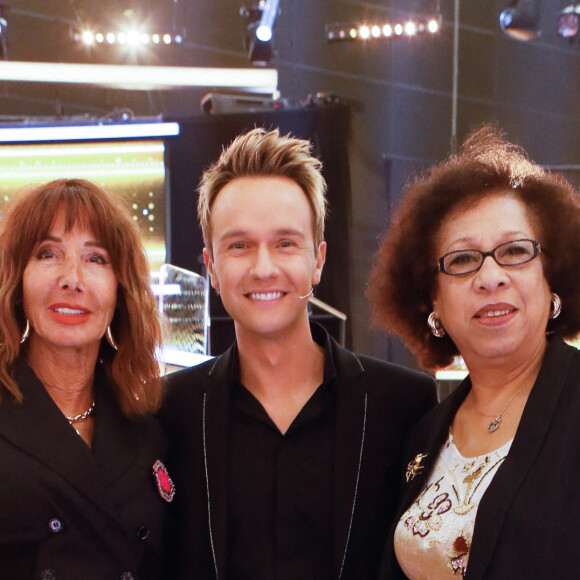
(526,524)
(69,512)
(376,405)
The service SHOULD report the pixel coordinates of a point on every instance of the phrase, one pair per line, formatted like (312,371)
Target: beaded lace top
(433,537)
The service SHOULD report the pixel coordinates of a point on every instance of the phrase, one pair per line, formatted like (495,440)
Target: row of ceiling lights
(520,20)
(130,38)
(383,30)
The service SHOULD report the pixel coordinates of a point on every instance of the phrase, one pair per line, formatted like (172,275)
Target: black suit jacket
(377,403)
(71,510)
(526,525)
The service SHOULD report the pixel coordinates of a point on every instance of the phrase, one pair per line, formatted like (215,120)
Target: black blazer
(68,511)
(377,403)
(526,525)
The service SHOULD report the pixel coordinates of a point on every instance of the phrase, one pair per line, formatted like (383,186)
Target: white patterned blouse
(433,537)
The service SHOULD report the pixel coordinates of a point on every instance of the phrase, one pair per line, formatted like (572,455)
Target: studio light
(370,32)
(260,18)
(521,20)
(133,38)
(568,23)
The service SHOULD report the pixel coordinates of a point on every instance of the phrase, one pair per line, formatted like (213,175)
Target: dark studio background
(387,115)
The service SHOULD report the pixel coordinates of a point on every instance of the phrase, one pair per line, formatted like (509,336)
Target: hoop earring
(110,339)
(26,332)
(435,325)
(556,304)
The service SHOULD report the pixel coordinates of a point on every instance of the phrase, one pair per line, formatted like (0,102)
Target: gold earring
(435,325)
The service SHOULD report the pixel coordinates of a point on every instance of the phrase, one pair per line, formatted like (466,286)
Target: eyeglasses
(511,253)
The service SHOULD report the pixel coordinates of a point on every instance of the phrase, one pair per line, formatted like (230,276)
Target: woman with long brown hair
(83,487)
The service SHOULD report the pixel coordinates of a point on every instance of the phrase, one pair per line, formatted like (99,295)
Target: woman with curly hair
(83,490)
(482,260)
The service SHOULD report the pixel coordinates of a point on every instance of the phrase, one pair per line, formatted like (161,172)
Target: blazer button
(127,576)
(55,525)
(143,533)
(47,575)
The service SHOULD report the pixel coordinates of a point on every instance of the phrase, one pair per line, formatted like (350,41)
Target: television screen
(132,169)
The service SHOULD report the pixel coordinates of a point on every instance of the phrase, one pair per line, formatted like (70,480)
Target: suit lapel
(216,409)
(431,444)
(350,434)
(117,441)
(532,431)
(37,427)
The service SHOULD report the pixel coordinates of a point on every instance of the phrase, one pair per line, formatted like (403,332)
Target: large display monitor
(134,169)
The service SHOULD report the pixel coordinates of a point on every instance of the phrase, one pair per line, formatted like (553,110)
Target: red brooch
(164,483)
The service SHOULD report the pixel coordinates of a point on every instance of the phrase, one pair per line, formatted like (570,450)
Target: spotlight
(410,28)
(521,20)
(568,23)
(260,17)
(134,37)
(88,37)
(433,26)
(264,33)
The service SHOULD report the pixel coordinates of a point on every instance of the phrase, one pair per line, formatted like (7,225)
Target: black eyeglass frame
(484,255)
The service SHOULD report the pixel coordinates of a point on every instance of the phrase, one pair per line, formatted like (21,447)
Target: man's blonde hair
(265,153)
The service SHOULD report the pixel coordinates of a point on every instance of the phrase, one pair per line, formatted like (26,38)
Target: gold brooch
(414,467)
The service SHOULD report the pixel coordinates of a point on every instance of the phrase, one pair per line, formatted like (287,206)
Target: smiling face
(69,289)
(263,256)
(498,313)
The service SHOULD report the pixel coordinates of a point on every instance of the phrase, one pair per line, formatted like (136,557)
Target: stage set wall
(401,95)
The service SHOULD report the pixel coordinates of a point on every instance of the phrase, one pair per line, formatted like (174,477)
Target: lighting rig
(384,29)
(521,20)
(129,38)
(260,17)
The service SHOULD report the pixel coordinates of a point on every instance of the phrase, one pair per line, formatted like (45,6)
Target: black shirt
(280,490)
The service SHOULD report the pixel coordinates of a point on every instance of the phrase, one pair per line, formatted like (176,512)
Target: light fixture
(381,30)
(521,20)
(568,23)
(260,18)
(140,77)
(126,38)
(87,132)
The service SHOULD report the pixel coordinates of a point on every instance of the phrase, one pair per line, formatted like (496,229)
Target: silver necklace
(81,417)
(496,423)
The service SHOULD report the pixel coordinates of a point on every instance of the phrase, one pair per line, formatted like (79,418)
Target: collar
(320,337)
